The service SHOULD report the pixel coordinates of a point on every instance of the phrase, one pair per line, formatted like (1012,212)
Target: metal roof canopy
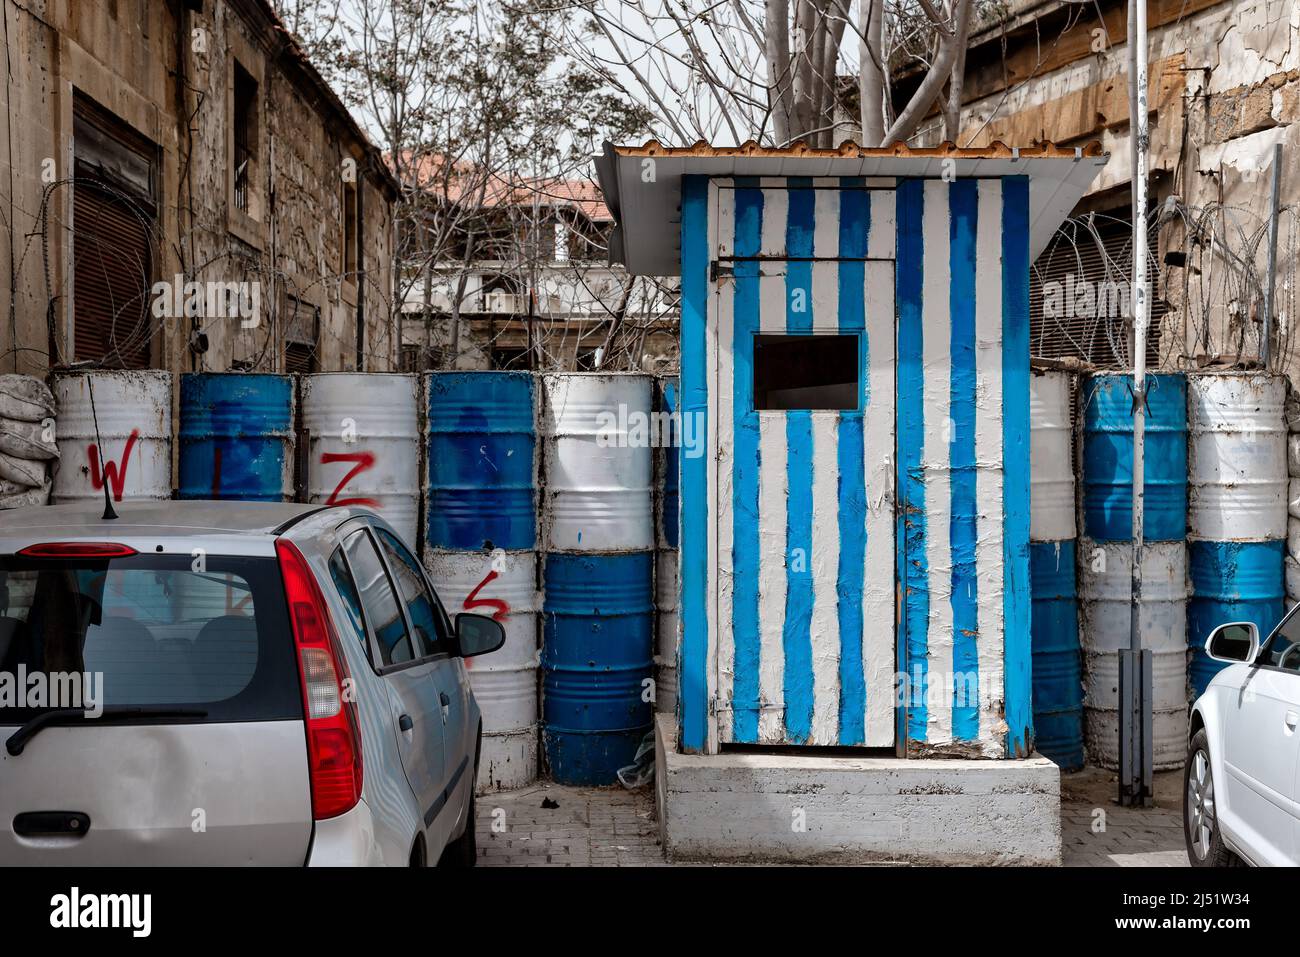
(647,235)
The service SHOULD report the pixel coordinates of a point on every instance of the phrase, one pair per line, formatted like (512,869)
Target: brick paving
(1097,832)
(612,827)
(600,827)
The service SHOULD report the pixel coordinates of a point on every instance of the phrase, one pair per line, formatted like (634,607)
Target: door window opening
(806,372)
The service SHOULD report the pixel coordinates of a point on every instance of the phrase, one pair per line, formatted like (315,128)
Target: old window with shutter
(113,249)
(302,326)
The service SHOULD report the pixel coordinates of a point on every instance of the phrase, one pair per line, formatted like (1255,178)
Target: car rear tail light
(333,732)
(78,550)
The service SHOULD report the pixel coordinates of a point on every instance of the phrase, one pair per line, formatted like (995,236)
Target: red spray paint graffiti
(363,462)
(473,601)
(115,476)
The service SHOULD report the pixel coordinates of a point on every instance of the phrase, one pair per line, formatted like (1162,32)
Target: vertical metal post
(1266,342)
(1135,750)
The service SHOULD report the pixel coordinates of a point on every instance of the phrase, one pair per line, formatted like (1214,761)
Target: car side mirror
(478,634)
(1234,643)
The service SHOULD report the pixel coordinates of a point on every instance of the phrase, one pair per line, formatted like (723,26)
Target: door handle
(446,705)
(1292,719)
(404,723)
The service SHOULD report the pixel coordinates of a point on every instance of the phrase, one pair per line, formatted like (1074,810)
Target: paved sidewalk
(612,827)
(601,827)
(1097,832)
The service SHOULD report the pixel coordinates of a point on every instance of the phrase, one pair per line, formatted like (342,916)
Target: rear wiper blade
(113,714)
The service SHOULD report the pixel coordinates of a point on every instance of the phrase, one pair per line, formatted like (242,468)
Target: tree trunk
(871,75)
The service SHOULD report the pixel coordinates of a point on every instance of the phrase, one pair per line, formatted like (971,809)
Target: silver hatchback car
(230,683)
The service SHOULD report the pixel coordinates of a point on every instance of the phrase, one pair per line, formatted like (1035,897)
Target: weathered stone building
(181,190)
(1224,91)
(536,291)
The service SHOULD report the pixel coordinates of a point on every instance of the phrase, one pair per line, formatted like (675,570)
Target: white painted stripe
(881,239)
(826,227)
(776,203)
(771,575)
(823,565)
(720,477)
(988,454)
(879,594)
(935,460)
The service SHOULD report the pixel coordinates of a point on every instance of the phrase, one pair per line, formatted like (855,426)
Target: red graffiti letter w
(115,476)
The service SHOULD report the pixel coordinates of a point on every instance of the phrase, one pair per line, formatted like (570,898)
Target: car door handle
(446,702)
(404,723)
(1291,720)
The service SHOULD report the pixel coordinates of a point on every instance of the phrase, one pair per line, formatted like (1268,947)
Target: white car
(1241,799)
(272,684)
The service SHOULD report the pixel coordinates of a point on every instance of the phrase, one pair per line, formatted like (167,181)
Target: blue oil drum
(1108,458)
(482,441)
(669,501)
(236,436)
(1054,636)
(1231,581)
(597,652)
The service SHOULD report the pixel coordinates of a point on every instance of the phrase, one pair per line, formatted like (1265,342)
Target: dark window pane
(153,632)
(347,589)
(381,607)
(806,372)
(420,603)
(1280,651)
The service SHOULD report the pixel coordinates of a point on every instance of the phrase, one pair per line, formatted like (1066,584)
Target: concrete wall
(167,73)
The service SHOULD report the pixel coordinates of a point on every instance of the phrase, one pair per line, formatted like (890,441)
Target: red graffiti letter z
(115,477)
(364,461)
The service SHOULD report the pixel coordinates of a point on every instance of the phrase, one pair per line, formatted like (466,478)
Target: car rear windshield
(206,633)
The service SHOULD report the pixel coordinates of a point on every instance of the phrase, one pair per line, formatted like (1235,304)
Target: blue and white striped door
(806,571)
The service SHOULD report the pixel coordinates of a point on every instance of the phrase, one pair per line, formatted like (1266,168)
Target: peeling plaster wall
(1225,87)
(127,56)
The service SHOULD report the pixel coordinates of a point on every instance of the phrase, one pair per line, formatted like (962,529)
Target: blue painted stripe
(963,204)
(797,634)
(855,224)
(693,684)
(1015,464)
(913,571)
(746,638)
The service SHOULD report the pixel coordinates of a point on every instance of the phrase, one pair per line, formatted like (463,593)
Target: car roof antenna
(109,515)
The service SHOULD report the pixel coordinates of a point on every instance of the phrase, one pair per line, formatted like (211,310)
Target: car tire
(1205,847)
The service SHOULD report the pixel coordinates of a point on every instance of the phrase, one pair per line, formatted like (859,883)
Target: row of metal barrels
(569,541)
(1215,495)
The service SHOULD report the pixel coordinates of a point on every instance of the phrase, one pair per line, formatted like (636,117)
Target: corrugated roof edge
(848,149)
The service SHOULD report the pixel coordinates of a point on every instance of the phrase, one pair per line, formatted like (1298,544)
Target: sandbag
(25,398)
(1293,455)
(1291,410)
(25,472)
(30,496)
(1292,579)
(1293,537)
(1293,498)
(27,440)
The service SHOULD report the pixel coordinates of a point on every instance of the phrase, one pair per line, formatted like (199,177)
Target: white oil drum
(1237,457)
(666,619)
(363,446)
(598,462)
(1051,511)
(1105,573)
(502,585)
(131,451)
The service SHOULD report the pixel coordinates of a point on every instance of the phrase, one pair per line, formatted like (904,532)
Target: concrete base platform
(791,808)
